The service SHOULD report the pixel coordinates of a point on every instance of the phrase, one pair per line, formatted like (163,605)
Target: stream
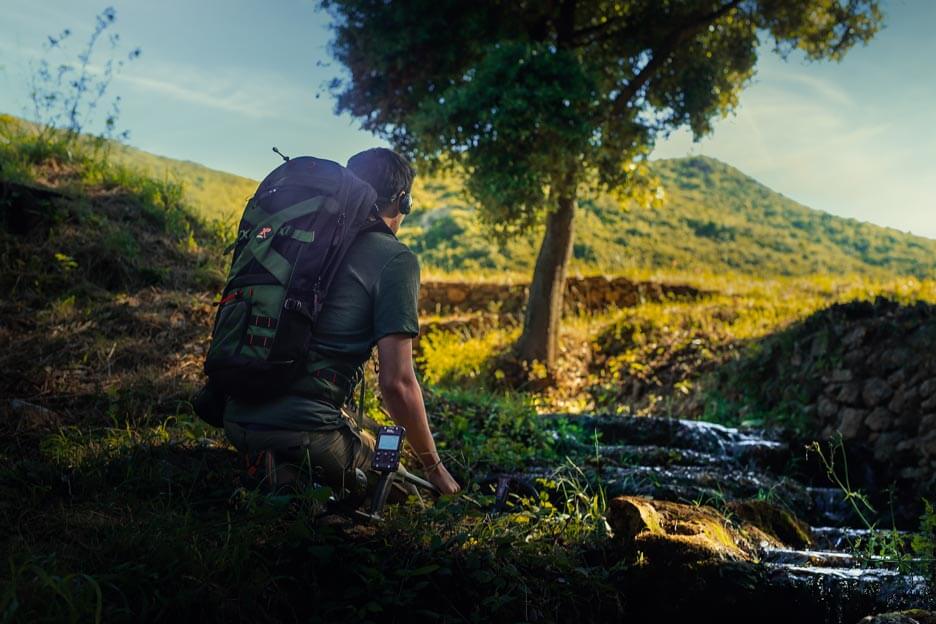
(696,462)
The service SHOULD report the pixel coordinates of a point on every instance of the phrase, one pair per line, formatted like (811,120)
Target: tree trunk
(540,337)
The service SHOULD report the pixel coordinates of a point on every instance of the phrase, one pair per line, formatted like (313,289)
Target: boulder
(675,532)
(875,392)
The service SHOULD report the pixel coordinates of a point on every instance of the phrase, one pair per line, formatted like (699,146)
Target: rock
(32,417)
(913,616)
(850,393)
(826,408)
(852,423)
(912,473)
(674,532)
(875,392)
(856,358)
(897,377)
(855,337)
(894,358)
(879,419)
(928,388)
(773,520)
(840,375)
(455,295)
(903,398)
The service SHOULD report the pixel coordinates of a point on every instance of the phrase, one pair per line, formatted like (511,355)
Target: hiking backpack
(292,237)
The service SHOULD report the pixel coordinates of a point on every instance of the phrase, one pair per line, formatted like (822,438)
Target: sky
(221,82)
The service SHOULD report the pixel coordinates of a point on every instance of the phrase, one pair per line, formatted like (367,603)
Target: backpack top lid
(324,176)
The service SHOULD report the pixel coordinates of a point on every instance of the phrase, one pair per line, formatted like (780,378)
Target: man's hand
(440,477)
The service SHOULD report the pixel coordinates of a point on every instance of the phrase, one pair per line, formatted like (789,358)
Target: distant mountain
(714,218)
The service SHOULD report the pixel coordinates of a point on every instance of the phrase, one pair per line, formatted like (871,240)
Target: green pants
(328,456)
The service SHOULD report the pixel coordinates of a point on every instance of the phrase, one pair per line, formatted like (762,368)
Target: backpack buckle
(292,305)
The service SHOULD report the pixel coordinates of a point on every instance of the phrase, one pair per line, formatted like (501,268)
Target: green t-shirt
(374,294)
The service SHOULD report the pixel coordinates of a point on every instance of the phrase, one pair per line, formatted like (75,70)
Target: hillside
(714,219)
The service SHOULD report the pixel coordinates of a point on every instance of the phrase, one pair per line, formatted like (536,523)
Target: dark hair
(385,170)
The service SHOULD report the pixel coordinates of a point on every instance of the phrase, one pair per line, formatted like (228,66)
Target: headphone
(406,202)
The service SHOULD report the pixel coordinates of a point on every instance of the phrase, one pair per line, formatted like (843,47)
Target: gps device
(388,448)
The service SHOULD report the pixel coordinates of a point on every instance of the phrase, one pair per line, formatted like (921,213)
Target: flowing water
(698,462)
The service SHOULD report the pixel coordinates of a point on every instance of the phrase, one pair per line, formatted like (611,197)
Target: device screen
(388,443)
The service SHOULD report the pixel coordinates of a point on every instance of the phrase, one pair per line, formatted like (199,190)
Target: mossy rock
(664,530)
(775,521)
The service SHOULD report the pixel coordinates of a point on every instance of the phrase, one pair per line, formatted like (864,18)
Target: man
(372,301)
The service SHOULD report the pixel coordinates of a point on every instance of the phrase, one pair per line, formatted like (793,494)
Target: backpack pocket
(230,328)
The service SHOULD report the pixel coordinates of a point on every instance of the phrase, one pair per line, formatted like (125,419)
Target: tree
(538,102)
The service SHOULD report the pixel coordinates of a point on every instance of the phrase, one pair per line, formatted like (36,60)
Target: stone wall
(882,391)
(587,294)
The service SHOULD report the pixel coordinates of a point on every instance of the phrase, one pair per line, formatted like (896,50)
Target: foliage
(482,431)
(881,545)
(525,99)
(66,96)
(924,543)
(455,358)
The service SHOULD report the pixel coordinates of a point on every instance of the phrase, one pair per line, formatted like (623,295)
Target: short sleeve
(396,297)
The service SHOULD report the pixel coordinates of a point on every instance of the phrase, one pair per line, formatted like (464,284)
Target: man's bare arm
(403,398)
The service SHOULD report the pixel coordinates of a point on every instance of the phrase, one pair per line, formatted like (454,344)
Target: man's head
(390,175)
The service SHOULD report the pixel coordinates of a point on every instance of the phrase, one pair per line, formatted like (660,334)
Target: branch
(689,28)
(595,29)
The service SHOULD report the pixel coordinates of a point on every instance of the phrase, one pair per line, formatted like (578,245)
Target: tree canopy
(532,101)
(519,93)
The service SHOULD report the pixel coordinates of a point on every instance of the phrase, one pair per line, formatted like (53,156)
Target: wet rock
(913,616)
(852,424)
(875,392)
(879,419)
